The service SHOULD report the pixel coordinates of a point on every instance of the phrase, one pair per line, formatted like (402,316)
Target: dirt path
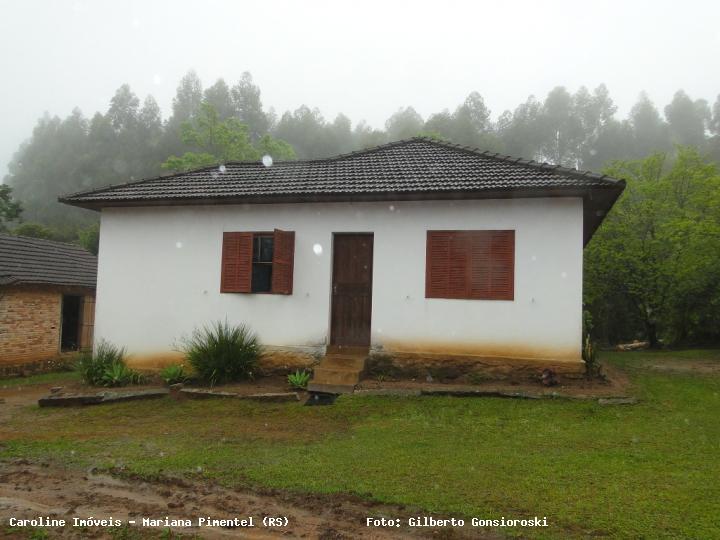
(30,490)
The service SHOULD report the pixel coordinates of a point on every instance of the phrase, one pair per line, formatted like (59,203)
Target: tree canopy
(651,269)
(221,141)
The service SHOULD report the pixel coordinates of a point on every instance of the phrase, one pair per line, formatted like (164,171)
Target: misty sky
(365,58)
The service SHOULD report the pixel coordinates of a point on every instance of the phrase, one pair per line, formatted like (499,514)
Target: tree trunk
(652,337)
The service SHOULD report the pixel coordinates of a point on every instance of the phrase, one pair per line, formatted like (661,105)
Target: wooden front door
(351,290)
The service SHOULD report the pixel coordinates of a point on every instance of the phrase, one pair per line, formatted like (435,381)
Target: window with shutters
(257,262)
(476,265)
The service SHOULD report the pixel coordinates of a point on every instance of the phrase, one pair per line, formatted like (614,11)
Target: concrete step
(329,375)
(343,361)
(331,388)
(345,349)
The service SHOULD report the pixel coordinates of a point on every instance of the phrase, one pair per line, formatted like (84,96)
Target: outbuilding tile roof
(32,261)
(413,166)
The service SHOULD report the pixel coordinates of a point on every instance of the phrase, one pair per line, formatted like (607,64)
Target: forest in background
(652,270)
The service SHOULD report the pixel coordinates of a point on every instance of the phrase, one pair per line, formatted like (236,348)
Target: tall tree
(405,123)
(520,131)
(9,209)
(218,95)
(650,132)
(306,131)
(248,106)
(714,128)
(687,119)
(561,128)
(220,141)
(188,97)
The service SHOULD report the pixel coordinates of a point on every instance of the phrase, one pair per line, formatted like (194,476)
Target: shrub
(222,353)
(299,379)
(174,374)
(118,374)
(92,366)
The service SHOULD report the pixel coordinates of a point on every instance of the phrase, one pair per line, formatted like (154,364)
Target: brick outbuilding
(47,301)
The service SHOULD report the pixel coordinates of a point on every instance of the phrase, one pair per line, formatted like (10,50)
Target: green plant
(222,353)
(93,366)
(479,377)
(118,374)
(299,379)
(589,354)
(174,374)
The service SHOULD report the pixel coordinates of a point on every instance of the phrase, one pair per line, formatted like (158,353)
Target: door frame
(332,281)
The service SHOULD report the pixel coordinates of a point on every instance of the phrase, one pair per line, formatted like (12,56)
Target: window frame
(491,251)
(237,261)
(255,236)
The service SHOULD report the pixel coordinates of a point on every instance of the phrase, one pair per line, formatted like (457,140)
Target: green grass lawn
(650,470)
(59,377)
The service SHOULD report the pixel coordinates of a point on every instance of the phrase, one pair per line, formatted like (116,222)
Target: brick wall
(29,325)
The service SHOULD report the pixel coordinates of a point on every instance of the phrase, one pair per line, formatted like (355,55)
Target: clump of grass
(299,379)
(222,353)
(105,366)
(174,374)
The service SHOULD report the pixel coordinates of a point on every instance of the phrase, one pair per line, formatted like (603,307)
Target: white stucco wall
(159,276)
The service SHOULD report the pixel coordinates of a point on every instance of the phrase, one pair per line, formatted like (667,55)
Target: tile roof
(29,261)
(412,169)
(416,165)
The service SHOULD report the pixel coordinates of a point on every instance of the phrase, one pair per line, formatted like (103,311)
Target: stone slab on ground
(70,400)
(464,392)
(273,397)
(203,393)
(74,400)
(389,392)
(114,397)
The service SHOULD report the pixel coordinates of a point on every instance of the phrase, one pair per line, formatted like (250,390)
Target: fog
(365,59)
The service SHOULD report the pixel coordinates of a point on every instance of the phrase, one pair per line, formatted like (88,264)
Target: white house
(425,251)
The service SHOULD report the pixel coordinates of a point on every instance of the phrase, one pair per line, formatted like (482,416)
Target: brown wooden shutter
(283,259)
(459,265)
(470,264)
(437,264)
(502,271)
(236,267)
(480,265)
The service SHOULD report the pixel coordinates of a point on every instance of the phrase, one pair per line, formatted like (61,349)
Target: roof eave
(502,193)
(598,200)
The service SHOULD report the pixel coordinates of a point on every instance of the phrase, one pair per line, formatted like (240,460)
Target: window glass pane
(266,249)
(261,277)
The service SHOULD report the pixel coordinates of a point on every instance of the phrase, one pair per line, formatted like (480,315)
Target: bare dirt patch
(30,490)
(615,383)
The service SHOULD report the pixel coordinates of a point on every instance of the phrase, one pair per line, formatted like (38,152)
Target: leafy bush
(299,379)
(222,353)
(118,374)
(174,374)
(92,366)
